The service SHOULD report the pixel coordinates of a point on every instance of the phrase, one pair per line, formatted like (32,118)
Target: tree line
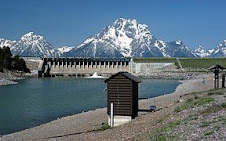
(7,61)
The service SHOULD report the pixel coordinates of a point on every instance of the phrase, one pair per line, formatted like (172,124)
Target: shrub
(104,126)
(211,109)
(208,133)
(223,105)
(162,133)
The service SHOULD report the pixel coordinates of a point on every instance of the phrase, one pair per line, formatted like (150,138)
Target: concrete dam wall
(152,67)
(33,63)
(81,67)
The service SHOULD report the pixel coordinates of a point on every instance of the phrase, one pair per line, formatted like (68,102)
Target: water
(36,101)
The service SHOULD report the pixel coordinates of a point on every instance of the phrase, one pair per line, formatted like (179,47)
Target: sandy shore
(81,126)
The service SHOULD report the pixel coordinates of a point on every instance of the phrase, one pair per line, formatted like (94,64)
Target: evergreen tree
(1,60)
(19,64)
(7,62)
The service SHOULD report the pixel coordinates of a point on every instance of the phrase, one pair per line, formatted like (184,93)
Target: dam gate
(81,67)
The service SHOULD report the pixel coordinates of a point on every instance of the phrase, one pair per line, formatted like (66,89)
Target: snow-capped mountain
(220,50)
(174,49)
(6,43)
(124,38)
(33,45)
(200,51)
(64,49)
(61,50)
(127,38)
(30,44)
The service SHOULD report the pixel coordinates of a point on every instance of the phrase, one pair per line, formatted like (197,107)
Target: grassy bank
(202,62)
(201,116)
(186,62)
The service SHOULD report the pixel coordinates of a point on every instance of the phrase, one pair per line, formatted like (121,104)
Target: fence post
(112,115)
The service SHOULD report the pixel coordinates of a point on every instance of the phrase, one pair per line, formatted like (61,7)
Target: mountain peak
(6,43)
(220,50)
(129,25)
(31,36)
(124,20)
(128,38)
(179,42)
(29,33)
(199,47)
(200,51)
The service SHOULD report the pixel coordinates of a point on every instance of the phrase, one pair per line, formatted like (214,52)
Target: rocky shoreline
(10,78)
(87,125)
(6,82)
(171,75)
(7,79)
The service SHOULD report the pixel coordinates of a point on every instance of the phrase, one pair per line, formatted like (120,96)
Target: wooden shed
(122,91)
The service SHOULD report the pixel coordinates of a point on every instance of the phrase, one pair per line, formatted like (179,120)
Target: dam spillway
(80,67)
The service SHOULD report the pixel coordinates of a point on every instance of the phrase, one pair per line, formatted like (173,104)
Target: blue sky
(69,22)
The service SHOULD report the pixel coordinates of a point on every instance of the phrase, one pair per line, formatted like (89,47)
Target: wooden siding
(123,92)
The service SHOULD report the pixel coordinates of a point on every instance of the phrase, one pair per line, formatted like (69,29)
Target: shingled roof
(127,75)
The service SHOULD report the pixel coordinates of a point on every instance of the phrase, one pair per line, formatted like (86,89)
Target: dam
(81,67)
(85,67)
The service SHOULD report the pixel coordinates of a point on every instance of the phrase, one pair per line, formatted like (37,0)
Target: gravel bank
(7,79)
(6,82)
(81,126)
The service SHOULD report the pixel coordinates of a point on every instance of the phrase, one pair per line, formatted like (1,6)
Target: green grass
(182,107)
(208,133)
(222,119)
(205,124)
(202,62)
(169,127)
(192,103)
(186,62)
(155,60)
(103,127)
(191,117)
(216,128)
(203,101)
(211,109)
(159,137)
(162,133)
(215,93)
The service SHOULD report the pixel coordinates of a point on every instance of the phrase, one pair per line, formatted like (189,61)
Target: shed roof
(216,67)
(127,75)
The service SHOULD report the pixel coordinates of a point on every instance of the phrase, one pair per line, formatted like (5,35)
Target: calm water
(36,101)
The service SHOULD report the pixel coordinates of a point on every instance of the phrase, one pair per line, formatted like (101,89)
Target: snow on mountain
(6,43)
(124,38)
(30,44)
(117,40)
(220,50)
(211,50)
(64,49)
(61,50)
(127,38)
(200,51)
(175,49)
